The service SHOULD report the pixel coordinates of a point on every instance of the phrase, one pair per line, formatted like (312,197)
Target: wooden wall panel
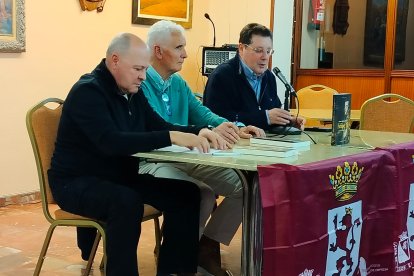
(361,88)
(403,86)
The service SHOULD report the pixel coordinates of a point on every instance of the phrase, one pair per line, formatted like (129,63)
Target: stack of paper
(263,150)
(280,142)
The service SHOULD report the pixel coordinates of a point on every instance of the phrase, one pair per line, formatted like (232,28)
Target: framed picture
(147,12)
(375,30)
(12,26)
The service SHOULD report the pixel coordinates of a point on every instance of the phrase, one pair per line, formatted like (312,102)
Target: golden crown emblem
(345,181)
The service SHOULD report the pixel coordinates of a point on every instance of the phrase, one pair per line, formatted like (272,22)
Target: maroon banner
(334,217)
(404,241)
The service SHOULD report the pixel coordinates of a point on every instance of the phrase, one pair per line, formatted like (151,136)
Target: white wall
(282,41)
(63,43)
(229,18)
(309,47)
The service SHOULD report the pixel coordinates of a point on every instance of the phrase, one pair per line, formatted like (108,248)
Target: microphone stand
(206,15)
(288,129)
(287,98)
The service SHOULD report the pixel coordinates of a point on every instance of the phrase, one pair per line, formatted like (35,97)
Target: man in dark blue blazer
(244,89)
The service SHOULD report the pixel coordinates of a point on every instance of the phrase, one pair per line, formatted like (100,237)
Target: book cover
(341,112)
(262,150)
(280,142)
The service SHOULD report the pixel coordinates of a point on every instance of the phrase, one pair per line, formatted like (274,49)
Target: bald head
(127,58)
(122,43)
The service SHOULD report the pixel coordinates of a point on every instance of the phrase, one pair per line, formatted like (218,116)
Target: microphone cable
(296,119)
(286,132)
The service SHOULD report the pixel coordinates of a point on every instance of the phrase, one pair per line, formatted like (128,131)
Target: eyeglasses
(261,51)
(166,100)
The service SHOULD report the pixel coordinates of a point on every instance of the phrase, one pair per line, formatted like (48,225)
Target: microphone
(290,91)
(281,77)
(214,28)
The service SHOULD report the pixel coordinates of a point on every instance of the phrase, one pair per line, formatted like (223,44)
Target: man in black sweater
(106,119)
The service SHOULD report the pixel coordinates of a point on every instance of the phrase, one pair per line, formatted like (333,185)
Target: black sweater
(99,129)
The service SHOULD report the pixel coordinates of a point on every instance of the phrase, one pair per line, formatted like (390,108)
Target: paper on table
(175,148)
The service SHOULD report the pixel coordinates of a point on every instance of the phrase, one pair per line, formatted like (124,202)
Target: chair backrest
(42,124)
(199,96)
(412,126)
(316,96)
(387,112)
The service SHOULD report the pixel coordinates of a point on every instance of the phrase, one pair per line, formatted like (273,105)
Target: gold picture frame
(12,26)
(147,12)
(90,5)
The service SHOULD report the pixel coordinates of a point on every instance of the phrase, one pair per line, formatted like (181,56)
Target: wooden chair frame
(42,122)
(394,116)
(316,96)
(317,90)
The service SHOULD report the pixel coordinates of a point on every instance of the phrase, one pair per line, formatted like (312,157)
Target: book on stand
(341,113)
(280,142)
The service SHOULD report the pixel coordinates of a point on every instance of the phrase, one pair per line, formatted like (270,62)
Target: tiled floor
(23,229)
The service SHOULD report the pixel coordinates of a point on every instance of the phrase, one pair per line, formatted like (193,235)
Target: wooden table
(324,115)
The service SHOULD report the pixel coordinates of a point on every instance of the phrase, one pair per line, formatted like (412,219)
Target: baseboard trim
(19,199)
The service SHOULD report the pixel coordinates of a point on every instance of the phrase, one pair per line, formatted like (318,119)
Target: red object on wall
(317,13)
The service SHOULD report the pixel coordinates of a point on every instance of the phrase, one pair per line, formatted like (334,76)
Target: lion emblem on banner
(344,228)
(410,218)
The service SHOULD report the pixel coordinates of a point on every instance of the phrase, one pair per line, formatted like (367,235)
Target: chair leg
(102,265)
(93,253)
(158,237)
(43,252)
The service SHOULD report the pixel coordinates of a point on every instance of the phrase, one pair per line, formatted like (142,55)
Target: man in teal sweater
(170,96)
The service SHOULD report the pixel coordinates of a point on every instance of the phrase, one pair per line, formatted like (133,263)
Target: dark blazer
(229,94)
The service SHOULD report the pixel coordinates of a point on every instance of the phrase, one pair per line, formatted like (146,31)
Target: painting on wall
(375,31)
(12,26)
(147,12)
